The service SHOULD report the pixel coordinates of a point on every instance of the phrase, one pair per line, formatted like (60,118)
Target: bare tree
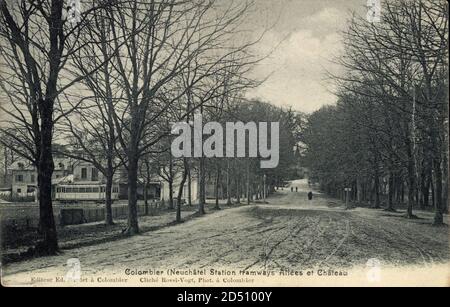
(156,41)
(37,42)
(394,91)
(92,139)
(92,127)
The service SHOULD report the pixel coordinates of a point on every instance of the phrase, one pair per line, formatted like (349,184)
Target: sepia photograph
(223,144)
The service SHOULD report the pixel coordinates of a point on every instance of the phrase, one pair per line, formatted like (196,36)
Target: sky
(306,35)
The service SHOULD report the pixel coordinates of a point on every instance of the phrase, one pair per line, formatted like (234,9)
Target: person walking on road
(296,189)
(310,195)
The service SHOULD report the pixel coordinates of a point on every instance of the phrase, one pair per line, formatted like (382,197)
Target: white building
(24,176)
(165,192)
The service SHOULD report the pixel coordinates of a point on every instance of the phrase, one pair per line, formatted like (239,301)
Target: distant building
(23,180)
(165,191)
(67,171)
(24,176)
(210,188)
(85,172)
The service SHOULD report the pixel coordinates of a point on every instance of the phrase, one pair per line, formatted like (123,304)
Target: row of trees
(233,179)
(387,137)
(133,59)
(110,78)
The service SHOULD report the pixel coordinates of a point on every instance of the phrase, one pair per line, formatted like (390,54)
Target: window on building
(94,175)
(84,173)
(19,178)
(19,191)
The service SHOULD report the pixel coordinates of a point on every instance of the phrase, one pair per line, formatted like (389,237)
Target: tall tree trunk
(5,165)
(416,192)
(249,197)
(238,190)
(148,178)
(146,185)
(110,157)
(171,175)
(216,187)
(377,190)
(180,190)
(170,206)
(411,181)
(433,193)
(108,195)
(202,198)
(359,190)
(399,185)
(391,192)
(426,193)
(133,227)
(49,245)
(228,184)
(438,214)
(422,186)
(445,180)
(444,127)
(402,193)
(437,166)
(189,197)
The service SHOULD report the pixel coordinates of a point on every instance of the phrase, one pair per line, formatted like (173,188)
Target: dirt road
(289,232)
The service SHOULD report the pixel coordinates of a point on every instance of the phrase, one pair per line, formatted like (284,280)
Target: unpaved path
(289,232)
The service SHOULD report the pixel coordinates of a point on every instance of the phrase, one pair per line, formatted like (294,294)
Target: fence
(69,216)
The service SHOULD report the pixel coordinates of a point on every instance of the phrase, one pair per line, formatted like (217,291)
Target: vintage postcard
(224,143)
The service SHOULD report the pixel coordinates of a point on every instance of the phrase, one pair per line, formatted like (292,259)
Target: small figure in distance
(310,195)
(292,189)
(296,189)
